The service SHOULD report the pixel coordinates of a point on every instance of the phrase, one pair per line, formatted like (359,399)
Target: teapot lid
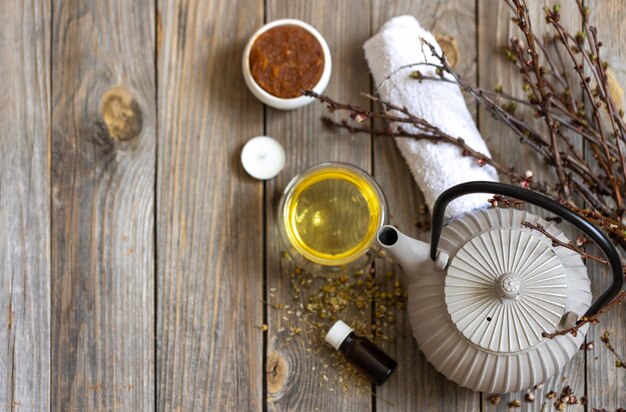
(504,287)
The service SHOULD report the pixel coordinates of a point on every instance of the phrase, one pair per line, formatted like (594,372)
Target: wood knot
(277,371)
(615,90)
(121,114)
(450,48)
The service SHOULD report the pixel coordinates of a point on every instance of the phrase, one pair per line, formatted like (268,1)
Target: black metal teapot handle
(537,199)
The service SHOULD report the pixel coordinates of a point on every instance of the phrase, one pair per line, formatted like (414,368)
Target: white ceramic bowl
(279,102)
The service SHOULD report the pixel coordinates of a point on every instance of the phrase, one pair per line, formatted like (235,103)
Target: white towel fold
(435,167)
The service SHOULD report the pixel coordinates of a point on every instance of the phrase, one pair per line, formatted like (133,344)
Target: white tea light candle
(263,157)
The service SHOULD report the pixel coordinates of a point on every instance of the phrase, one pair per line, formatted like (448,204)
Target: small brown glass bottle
(362,353)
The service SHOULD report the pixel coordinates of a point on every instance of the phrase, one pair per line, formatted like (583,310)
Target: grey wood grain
(24,206)
(345,25)
(79,178)
(495,29)
(209,211)
(416,385)
(103,166)
(606,384)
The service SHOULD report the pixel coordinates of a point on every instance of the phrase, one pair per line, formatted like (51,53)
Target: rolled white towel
(435,167)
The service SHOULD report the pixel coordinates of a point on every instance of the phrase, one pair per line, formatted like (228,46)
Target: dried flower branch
(556,242)
(543,96)
(566,398)
(426,131)
(605,338)
(578,105)
(503,201)
(610,225)
(588,319)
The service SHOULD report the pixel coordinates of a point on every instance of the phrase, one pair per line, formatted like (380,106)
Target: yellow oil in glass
(332,215)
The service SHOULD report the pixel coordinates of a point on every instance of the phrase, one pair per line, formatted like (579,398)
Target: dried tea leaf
(494,399)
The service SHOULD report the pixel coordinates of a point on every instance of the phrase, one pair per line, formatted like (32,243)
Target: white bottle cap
(337,334)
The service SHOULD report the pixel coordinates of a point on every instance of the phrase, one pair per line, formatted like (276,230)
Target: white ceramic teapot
(484,290)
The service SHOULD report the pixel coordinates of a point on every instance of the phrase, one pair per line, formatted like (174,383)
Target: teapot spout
(412,254)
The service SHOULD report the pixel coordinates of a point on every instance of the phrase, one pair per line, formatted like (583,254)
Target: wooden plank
(495,29)
(209,211)
(292,382)
(24,206)
(417,386)
(605,382)
(103,162)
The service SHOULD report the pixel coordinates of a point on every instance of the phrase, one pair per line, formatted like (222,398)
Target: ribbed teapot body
(480,321)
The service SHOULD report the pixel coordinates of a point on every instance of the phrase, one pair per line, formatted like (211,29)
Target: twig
(605,163)
(607,223)
(556,242)
(587,319)
(505,202)
(524,24)
(619,362)
(426,131)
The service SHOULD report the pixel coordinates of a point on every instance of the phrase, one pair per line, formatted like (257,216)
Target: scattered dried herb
(369,302)
(494,399)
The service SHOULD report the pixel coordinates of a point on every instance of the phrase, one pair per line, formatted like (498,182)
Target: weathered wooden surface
(495,29)
(416,385)
(103,167)
(209,212)
(293,384)
(606,384)
(24,206)
(138,253)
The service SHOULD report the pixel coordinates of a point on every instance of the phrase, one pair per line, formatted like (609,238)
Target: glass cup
(328,217)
